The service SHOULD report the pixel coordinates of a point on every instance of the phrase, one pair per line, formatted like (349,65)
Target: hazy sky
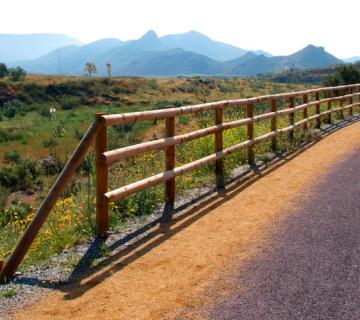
(277,26)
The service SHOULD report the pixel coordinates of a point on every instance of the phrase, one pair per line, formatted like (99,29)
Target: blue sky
(278,26)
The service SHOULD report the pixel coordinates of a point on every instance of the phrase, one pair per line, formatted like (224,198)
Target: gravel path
(313,271)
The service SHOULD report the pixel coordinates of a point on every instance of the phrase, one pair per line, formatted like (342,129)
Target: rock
(50,164)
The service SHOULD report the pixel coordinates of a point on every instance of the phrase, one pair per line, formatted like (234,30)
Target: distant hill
(201,44)
(173,62)
(309,57)
(69,59)
(352,59)
(186,54)
(30,46)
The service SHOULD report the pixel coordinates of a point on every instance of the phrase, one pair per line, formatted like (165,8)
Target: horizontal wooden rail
(174,112)
(98,132)
(140,185)
(118,154)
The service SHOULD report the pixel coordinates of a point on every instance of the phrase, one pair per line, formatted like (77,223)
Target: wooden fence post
(329,106)
(170,161)
(102,181)
(317,106)
(341,93)
(291,118)
(305,112)
(250,133)
(219,165)
(351,102)
(274,125)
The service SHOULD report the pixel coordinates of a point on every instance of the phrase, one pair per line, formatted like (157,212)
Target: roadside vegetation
(42,119)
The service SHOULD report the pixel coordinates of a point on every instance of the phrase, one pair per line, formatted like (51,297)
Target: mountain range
(190,53)
(15,47)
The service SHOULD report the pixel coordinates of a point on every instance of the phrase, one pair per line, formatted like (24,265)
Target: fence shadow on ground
(86,276)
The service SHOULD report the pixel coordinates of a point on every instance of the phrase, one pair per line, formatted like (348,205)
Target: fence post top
(99,117)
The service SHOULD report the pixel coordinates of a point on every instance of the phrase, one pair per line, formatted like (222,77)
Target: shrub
(124,88)
(49,143)
(34,90)
(23,97)
(153,84)
(3,70)
(10,112)
(345,74)
(43,110)
(17,74)
(70,103)
(12,107)
(140,204)
(177,103)
(12,157)
(161,104)
(21,176)
(9,135)
(71,88)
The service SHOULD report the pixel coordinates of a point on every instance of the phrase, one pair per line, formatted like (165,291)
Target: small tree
(3,70)
(17,74)
(90,68)
(109,70)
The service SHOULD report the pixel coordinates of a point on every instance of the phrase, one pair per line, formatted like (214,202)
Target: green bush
(10,112)
(153,84)
(21,176)
(17,74)
(124,88)
(9,135)
(49,143)
(141,203)
(23,97)
(12,157)
(12,107)
(345,74)
(35,91)
(3,70)
(70,103)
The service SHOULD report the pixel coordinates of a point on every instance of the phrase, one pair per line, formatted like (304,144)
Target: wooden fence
(348,97)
